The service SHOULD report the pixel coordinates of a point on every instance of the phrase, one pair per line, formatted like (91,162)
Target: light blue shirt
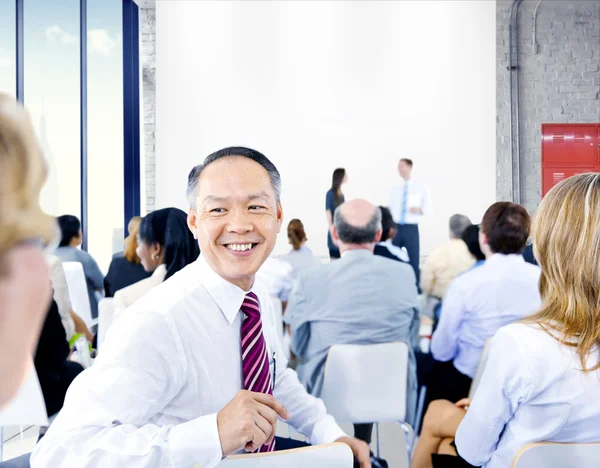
(300,259)
(533,389)
(501,291)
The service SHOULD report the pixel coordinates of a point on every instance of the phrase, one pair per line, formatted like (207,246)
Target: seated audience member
(385,248)
(542,377)
(192,372)
(502,290)
(165,246)
(470,237)
(55,372)
(67,251)
(125,267)
(360,299)
(277,277)
(300,257)
(25,291)
(447,261)
(71,322)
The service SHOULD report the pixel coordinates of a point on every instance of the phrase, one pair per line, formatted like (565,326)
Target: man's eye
(218,210)
(257,207)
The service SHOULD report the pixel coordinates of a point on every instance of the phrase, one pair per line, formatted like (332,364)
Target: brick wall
(561,83)
(148,59)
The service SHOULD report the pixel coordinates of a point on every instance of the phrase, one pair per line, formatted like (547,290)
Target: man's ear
(191,222)
(279,217)
(378,235)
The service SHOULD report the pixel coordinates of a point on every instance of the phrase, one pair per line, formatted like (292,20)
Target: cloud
(100,41)
(56,33)
(5,62)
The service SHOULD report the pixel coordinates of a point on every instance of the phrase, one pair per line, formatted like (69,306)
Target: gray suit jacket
(359,299)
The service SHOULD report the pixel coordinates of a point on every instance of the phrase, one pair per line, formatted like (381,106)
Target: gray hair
(458,224)
(358,235)
(194,176)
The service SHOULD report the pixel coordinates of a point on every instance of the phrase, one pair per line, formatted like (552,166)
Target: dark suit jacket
(383,251)
(122,273)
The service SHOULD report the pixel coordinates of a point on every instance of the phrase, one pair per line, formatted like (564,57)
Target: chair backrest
(78,292)
(28,406)
(554,455)
(334,455)
(366,383)
(480,368)
(106,315)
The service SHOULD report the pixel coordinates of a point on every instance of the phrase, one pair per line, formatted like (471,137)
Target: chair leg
(409,436)
(377,434)
(420,406)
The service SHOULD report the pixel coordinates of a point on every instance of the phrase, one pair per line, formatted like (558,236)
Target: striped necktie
(255,360)
(404,204)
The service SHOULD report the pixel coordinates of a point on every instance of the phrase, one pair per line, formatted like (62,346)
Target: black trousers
(408,237)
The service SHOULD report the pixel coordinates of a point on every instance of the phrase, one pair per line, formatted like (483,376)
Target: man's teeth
(239,247)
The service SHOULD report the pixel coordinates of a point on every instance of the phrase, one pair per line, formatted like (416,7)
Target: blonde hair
(566,236)
(131,240)
(22,175)
(296,233)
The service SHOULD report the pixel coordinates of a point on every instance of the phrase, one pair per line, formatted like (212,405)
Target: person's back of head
(504,229)
(470,236)
(70,228)
(357,225)
(388,225)
(566,240)
(131,240)
(296,234)
(168,228)
(458,223)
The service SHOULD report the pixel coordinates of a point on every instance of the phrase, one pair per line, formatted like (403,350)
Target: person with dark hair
(126,267)
(447,261)
(300,257)
(333,199)
(409,202)
(69,251)
(360,299)
(193,371)
(501,291)
(385,247)
(165,246)
(470,237)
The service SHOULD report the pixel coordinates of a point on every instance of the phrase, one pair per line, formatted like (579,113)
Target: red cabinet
(567,150)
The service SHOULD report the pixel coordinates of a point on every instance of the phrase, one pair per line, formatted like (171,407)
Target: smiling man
(194,372)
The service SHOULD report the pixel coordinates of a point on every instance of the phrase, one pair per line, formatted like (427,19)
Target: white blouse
(126,297)
(533,390)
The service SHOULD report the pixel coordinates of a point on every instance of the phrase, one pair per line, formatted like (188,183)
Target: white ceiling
(146,3)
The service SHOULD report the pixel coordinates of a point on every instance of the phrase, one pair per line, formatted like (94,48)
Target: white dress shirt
(533,390)
(126,297)
(418,197)
(277,277)
(480,301)
(61,294)
(167,367)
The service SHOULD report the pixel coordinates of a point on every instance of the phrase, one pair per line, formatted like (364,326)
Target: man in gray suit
(360,299)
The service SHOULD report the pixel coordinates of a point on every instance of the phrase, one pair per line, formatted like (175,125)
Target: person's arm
(61,296)
(106,417)
(505,384)
(444,343)
(329,209)
(93,273)
(81,327)
(296,317)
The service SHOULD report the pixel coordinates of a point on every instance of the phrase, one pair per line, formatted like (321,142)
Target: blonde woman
(542,379)
(25,290)
(126,268)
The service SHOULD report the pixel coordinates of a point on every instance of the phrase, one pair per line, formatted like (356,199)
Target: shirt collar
(160,271)
(498,258)
(228,296)
(357,252)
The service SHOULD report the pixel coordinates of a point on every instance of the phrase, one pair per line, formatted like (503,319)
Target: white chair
(367,384)
(334,455)
(555,455)
(106,315)
(480,368)
(78,292)
(26,408)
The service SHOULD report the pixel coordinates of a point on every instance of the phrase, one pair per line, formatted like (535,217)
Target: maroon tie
(255,359)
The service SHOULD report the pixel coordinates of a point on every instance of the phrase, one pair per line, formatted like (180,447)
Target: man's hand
(360,450)
(464,403)
(415,210)
(248,421)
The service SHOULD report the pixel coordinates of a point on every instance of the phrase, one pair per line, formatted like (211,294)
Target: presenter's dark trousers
(408,237)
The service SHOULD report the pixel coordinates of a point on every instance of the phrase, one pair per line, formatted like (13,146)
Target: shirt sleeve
(93,273)
(61,296)
(504,385)
(329,202)
(109,414)
(444,343)
(296,315)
